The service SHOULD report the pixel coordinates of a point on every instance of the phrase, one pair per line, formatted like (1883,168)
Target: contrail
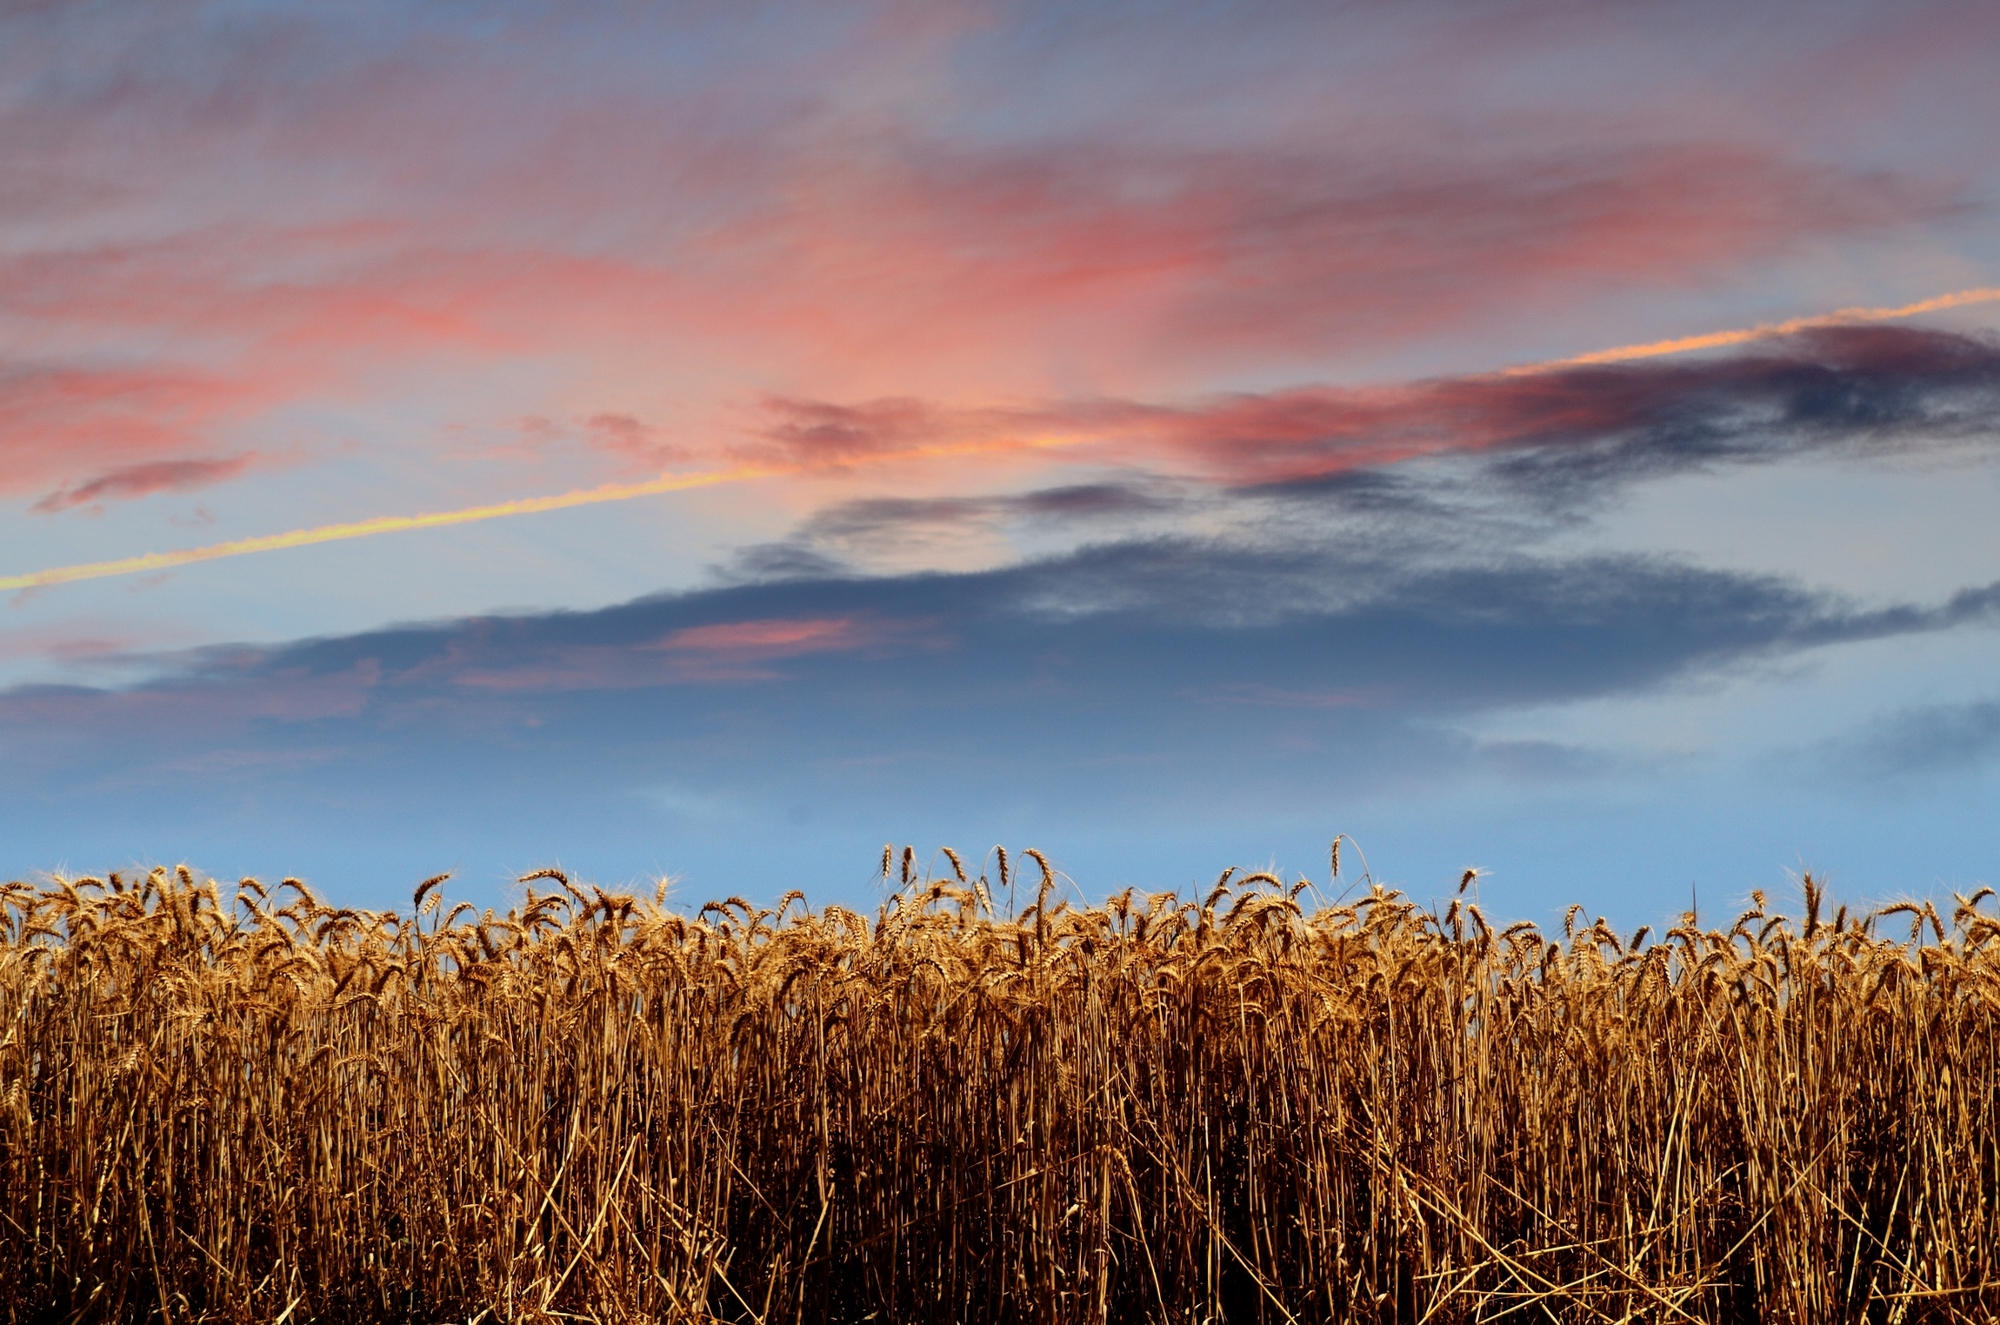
(1715,339)
(385,524)
(390,524)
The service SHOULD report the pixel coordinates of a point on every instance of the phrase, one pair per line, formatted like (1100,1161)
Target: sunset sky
(1167,435)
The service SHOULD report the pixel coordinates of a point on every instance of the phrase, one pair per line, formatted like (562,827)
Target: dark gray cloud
(1860,392)
(1503,458)
(1150,684)
(1166,646)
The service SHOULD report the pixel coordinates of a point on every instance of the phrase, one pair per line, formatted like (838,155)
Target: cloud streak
(144,480)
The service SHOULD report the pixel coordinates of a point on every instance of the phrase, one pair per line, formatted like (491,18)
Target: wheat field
(1263,1103)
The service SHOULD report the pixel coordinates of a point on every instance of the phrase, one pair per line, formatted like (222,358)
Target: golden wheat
(217,1107)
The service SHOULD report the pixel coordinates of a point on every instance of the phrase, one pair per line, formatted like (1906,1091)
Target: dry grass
(226,1106)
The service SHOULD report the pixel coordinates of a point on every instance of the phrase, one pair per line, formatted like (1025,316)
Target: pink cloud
(145,479)
(920,266)
(777,637)
(1119,261)
(626,436)
(1115,261)
(672,246)
(71,427)
(822,432)
(157,353)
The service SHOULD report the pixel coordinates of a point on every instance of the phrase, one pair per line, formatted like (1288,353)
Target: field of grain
(1262,1103)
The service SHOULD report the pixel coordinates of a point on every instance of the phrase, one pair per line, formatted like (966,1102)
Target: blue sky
(1166,436)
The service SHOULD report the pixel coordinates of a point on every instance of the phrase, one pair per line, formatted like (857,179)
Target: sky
(706,442)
